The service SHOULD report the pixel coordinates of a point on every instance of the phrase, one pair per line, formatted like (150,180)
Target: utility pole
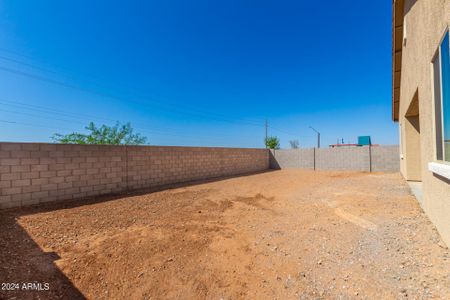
(318,140)
(318,137)
(266,126)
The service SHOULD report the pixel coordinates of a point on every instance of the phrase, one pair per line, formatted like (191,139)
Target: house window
(441,70)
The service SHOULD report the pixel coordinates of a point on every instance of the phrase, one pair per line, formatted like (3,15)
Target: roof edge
(397,44)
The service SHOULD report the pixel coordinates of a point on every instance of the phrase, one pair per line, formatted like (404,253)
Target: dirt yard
(287,234)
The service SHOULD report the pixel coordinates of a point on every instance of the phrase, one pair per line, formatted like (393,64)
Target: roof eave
(397,41)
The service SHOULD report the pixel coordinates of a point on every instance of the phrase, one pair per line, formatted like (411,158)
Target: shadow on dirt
(26,271)
(22,260)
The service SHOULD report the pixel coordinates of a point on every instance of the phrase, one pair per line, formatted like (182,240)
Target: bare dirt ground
(287,234)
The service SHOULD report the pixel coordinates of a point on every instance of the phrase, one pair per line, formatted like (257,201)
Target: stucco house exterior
(421,101)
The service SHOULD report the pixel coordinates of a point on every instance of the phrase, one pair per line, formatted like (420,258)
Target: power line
(18,72)
(33,115)
(28,124)
(27,64)
(164,135)
(266,133)
(93,118)
(79,116)
(47,110)
(90,118)
(112,96)
(57,82)
(290,133)
(15,53)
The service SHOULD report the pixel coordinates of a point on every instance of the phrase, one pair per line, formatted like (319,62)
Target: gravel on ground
(289,234)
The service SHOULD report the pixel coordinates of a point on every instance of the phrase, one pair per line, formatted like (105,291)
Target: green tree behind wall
(272,142)
(104,135)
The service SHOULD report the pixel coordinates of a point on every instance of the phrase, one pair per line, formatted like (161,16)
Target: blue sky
(198,72)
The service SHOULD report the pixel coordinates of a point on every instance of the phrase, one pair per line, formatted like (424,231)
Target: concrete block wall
(385,159)
(35,173)
(375,159)
(158,166)
(349,159)
(292,159)
(32,173)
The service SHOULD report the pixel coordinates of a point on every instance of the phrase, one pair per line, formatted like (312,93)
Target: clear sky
(198,72)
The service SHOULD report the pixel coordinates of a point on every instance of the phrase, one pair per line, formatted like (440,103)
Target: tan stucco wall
(426,22)
(413,171)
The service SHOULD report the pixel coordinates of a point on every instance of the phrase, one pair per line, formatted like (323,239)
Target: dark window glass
(445,82)
(438,106)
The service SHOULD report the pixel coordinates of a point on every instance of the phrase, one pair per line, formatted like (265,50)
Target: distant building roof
(344,145)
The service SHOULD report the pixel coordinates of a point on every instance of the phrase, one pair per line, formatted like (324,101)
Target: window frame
(439,154)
